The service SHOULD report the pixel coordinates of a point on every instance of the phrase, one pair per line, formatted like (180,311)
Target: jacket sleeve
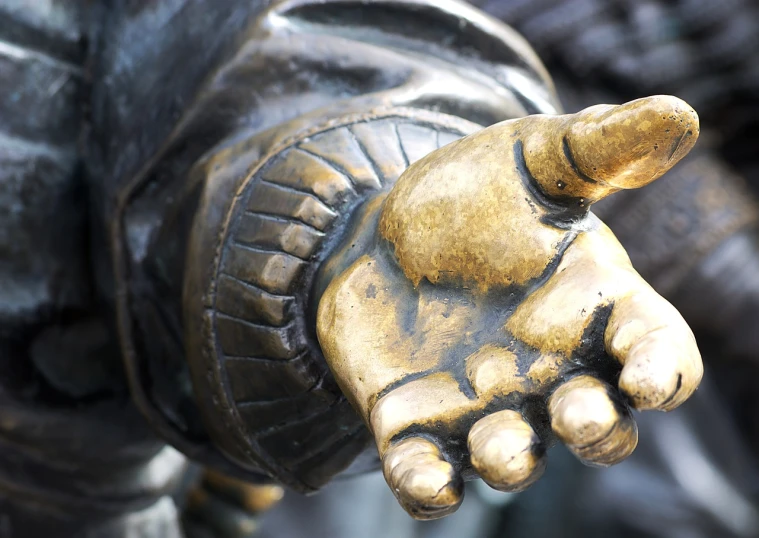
(218,228)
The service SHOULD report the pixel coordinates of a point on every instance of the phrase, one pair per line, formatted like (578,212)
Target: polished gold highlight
(490,287)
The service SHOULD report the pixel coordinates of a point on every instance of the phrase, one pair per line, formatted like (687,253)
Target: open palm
(494,313)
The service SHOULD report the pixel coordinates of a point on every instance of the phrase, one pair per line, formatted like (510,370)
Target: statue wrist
(243,388)
(258,230)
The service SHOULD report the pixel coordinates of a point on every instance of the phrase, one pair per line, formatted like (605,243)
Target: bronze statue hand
(492,303)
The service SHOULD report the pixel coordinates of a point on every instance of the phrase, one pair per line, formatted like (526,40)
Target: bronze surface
(491,301)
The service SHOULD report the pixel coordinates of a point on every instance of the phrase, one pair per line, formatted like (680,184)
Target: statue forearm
(288,225)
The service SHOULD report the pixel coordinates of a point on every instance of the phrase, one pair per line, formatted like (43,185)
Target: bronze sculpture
(485,317)
(265,163)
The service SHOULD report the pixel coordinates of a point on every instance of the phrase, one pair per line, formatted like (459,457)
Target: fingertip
(658,375)
(662,365)
(629,145)
(426,485)
(506,452)
(586,418)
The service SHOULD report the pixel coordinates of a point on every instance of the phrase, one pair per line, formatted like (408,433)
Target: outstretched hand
(494,313)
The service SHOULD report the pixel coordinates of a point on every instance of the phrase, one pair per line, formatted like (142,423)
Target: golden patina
(491,297)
